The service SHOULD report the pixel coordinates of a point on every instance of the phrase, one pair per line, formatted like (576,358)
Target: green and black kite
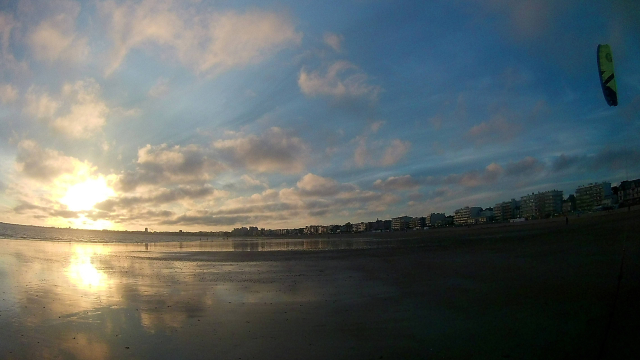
(607,80)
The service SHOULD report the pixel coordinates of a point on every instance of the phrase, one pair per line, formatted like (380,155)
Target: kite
(607,79)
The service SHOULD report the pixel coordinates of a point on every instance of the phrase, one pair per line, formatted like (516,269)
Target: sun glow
(82,196)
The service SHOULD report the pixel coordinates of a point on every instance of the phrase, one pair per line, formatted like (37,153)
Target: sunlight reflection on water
(82,272)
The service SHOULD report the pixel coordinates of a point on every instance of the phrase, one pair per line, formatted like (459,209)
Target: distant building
(506,210)
(346,228)
(418,223)
(629,192)
(360,227)
(486,216)
(435,219)
(401,223)
(569,204)
(541,205)
(467,215)
(589,197)
(316,229)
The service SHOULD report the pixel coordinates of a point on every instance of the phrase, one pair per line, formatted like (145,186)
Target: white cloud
(56,39)
(206,42)
(86,115)
(40,104)
(333,40)
(342,80)
(8,93)
(314,185)
(250,181)
(77,113)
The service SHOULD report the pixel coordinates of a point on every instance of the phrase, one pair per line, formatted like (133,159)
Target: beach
(540,289)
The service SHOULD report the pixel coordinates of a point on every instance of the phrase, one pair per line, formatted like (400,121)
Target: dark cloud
(170,165)
(207,219)
(607,159)
(39,211)
(130,215)
(528,166)
(162,196)
(615,159)
(273,151)
(405,182)
(474,178)
(565,162)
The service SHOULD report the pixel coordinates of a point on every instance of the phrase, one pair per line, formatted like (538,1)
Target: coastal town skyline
(198,115)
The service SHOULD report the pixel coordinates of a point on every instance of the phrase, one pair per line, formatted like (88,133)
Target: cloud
(613,158)
(528,166)
(170,165)
(379,153)
(394,152)
(157,197)
(8,93)
(250,181)
(405,182)
(565,162)
(160,88)
(609,158)
(87,113)
(55,38)
(206,42)
(78,112)
(361,155)
(274,150)
(333,40)
(27,207)
(496,130)
(314,185)
(40,105)
(8,62)
(342,80)
(474,178)
(46,164)
(530,19)
(436,122)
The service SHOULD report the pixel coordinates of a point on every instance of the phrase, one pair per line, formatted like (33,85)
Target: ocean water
(172,242)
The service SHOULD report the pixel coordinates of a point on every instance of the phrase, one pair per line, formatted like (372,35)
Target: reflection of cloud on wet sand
(98,292)
(88,347)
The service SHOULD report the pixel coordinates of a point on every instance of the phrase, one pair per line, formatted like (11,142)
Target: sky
(211,115)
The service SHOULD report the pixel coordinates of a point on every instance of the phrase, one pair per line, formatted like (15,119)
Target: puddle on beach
(105,301)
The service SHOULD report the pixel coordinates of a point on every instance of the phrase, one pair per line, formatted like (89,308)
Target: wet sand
(528,291)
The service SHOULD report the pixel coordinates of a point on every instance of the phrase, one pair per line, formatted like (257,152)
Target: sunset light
(84,195)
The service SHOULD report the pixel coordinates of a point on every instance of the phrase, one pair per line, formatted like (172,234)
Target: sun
(82,196)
